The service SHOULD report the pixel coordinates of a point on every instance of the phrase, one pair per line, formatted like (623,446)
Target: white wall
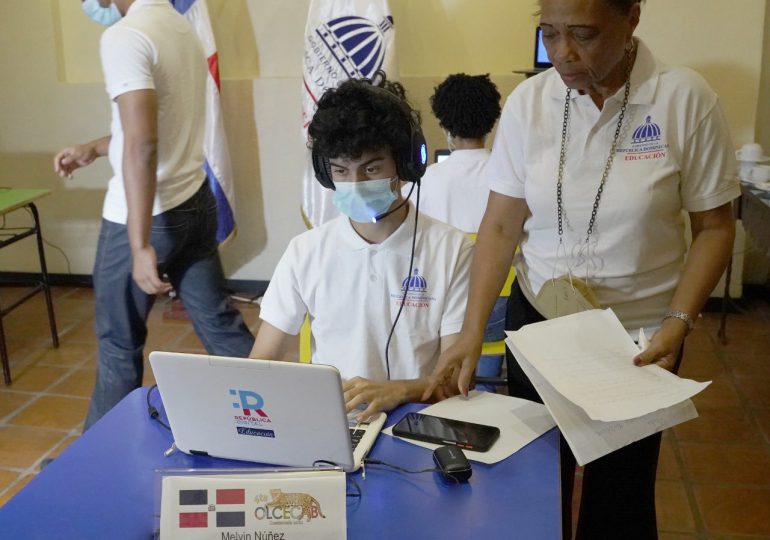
(55,98)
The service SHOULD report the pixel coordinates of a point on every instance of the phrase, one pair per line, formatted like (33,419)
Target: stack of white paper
(581,365)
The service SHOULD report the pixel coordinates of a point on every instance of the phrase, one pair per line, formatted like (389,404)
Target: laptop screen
(248,409)
(541,56)
(441,154)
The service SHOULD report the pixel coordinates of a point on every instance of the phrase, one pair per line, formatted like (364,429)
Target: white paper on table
(587,358)
(591,439)
(520,422)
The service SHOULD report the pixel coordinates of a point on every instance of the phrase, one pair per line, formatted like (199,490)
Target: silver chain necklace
(608,164)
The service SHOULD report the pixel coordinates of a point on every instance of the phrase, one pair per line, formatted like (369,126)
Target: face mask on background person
(364,200)
(106,16)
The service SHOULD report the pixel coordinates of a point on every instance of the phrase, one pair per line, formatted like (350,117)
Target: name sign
(254,506)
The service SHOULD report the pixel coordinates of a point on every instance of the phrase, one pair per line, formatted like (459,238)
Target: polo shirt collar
(644,79)
(399,242)
(139,4)
(468,154)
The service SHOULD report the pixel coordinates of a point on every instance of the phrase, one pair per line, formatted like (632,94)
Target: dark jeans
(186,248)
(618,496)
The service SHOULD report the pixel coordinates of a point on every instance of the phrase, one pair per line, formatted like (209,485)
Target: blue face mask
(106,16)
(364,200)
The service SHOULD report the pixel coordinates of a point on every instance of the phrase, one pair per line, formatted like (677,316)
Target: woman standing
(591,168)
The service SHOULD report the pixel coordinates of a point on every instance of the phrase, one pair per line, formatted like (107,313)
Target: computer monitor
(541,56)
(440,155)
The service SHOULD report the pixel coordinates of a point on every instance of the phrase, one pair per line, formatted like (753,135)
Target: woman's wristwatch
(682,316)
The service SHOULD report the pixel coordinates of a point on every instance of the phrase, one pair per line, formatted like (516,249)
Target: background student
(159,214)
(455,190)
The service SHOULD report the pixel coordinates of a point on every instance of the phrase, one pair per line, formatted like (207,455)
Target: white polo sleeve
(505,169)
(282,306)
(127,58)
(709,168)
(457,292)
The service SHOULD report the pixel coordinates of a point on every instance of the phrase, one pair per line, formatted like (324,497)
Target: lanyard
(608,164)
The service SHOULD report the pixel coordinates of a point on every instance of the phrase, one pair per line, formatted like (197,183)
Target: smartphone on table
(437,430)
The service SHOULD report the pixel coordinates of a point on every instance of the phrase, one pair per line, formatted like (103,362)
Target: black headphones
(410,165)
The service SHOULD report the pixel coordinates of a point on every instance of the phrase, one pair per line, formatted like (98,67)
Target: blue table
(102,487)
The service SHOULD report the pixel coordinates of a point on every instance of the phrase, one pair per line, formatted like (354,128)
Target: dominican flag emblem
(194,508)
(217,165)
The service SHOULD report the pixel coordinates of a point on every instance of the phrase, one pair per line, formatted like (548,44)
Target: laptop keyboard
(357,429)
(355,436)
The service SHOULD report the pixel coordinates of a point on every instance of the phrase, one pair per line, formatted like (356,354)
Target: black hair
(466,105)
(623,6)
(353,118)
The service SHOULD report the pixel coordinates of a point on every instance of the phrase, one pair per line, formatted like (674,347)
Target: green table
(14,199)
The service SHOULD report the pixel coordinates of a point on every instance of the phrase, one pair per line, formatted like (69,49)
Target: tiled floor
(43,410)
(714,472)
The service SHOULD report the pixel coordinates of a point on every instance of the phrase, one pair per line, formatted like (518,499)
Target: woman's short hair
(466,105)
(352,119)
(623,6)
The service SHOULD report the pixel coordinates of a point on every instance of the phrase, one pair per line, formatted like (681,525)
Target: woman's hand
(457,363)
(665,345)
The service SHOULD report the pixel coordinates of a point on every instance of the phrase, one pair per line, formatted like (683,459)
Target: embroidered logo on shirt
(417,296)
(647,132)
(646,143)
(416,282)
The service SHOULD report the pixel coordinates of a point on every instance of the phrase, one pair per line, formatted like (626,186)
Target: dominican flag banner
(217,164)
(343,39)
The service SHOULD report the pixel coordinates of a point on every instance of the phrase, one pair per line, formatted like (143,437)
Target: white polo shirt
(154,47)
(455,190)
(674,154)
(352,290)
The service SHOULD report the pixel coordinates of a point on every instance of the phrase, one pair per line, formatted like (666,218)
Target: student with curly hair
(455,190)
(351,275)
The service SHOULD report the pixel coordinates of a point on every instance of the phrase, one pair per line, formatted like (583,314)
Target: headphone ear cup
(413,164)
(323,171)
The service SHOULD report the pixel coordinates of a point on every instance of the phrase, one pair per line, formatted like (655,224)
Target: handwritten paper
(587,357)
(591,439)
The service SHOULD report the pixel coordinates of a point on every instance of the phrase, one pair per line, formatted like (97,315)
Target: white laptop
(282,413)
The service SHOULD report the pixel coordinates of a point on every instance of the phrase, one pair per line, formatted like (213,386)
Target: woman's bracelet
(682,316)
